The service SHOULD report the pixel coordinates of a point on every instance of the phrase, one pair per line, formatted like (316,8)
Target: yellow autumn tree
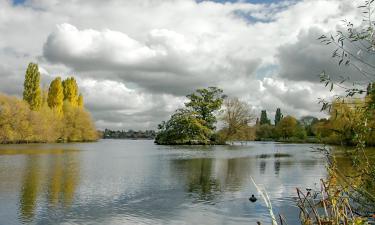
(70,89)
(56,96)
(32,92)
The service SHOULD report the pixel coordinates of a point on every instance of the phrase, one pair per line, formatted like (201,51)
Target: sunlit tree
(32,91)
(56,96)
(205,102)
(70,88)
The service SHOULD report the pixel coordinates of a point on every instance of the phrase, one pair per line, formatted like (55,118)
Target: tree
(287,127)
(205,102)
(265,132)
(308,122)
(70,91)
(80,101)
(56,96)
(14,120)
(278,116)
(32,92)
(263,118)
(193,124)
(236,117)
(184,127)
(78,125)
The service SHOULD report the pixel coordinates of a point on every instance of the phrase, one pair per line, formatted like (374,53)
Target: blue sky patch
(18,2)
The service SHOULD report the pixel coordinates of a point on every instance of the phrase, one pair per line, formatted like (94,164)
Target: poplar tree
(278,116)
(56,96)
(80,101)
(32,91)
(263,118)
(70,88)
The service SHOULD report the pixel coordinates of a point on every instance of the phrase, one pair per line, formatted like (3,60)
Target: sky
(136,60)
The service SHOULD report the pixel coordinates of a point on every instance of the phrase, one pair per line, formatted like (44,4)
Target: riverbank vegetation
(346,117)
(52,115)
(348,197)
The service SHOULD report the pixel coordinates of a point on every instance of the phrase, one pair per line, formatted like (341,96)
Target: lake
(137,182)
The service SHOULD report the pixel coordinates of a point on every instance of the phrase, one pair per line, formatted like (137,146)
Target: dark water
(137,182)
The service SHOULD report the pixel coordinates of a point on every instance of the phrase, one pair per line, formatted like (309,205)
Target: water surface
(137,182)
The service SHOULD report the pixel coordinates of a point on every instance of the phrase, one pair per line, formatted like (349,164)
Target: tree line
(130,134)
(206,108)
(56,114)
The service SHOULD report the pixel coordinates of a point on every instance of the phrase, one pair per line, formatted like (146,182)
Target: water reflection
(207,178)
(54,177)
(200,179)
(30,188)
(277,166)
(136,182)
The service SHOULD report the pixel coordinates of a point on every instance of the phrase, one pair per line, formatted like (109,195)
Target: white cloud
(134,60)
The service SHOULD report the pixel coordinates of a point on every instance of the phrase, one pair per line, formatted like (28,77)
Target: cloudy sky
(135,60)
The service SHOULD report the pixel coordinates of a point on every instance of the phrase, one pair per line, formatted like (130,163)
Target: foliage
(78,125)
(287,127)
(32,92)
(351,116)
(278,116)
(14,120)
(130,134)
(194,124)
(265,132)
(263,118)
(184,127)
(326,206)
(80,101)
(308,122)
(236,117)
(70,91)
(205,102)
(54,120)
(56,96)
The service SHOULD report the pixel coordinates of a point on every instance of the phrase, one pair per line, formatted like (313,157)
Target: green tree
(265,132)
(287,127)
(56,96)
(32,91)
(193,124)
(278,116)
(205,102)
(263,118)
(184,127)
(308,122)
(70,91)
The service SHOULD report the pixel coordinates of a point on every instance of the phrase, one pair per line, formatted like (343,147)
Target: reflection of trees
(30,188)
(262,166)
(277,166)
(200,179)
(59,180)
(350,170)
(207,177)
(63,179)
(70,182)
(236,172)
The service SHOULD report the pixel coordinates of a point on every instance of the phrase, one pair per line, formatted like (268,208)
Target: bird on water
(252,198)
